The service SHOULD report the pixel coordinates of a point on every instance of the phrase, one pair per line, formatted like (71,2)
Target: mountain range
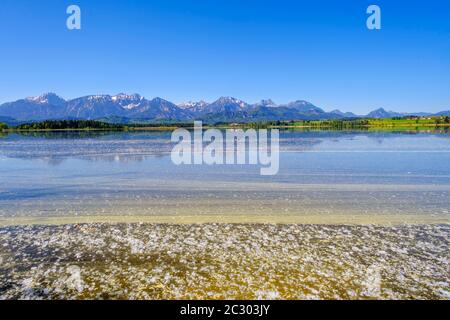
(127,108)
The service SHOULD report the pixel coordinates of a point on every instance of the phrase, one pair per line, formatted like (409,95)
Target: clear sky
(180,50)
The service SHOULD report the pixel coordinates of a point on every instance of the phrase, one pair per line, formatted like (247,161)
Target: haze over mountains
(126,108)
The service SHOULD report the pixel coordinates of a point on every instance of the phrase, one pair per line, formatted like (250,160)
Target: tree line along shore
(391,123)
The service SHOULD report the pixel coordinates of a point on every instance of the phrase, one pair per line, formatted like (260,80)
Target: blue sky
(180,50)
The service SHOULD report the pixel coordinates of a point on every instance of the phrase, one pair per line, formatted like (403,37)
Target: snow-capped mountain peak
(99,98)
(231,100)
(48,98)
(129,97)
(128,101)
(268,103)
(192,104)
(129,107)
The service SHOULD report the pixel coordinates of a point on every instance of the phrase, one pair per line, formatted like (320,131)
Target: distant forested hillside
(69,124)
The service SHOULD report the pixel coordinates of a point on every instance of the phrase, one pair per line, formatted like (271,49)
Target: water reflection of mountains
(127,147)
(131,135)
(75,135)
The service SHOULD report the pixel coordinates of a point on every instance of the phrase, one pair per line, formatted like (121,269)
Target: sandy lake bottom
(224,261)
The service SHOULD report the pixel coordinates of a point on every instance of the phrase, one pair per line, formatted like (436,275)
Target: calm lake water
(351,215)
(324,177)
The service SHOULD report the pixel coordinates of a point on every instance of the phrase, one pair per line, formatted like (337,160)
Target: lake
(324,177)
(107,215)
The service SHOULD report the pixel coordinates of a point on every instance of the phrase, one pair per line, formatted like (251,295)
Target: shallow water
(351,215)
(324,177)
(222,261)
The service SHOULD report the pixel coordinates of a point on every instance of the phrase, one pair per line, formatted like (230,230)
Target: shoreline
(170,128)
(336,220)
